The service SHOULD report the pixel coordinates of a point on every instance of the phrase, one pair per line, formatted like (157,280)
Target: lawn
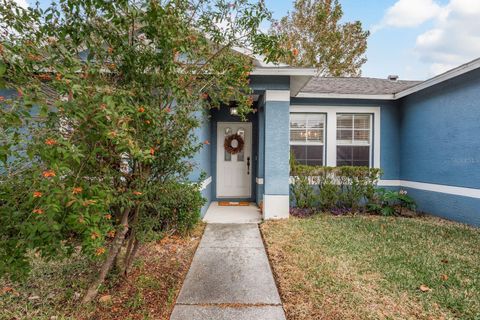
(53,289)
(366,267)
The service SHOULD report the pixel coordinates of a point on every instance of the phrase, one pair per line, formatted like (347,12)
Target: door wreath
(233,143)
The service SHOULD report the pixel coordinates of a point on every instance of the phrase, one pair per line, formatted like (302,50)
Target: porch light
(233,111)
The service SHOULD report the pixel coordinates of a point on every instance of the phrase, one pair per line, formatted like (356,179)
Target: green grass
(372,267)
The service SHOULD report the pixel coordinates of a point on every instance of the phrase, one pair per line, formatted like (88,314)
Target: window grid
(354,136)
(307,137)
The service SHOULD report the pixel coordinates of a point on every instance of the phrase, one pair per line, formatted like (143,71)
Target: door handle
(248,165)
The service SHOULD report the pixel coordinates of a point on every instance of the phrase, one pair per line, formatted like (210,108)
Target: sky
(414,39)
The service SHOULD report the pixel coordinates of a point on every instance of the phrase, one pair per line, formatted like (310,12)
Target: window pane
(344,137)
(353,156)
(299,152)
(297,120)
(344,121)
(315,152)
(362,136)
(314,163)
(315,135)
(297,135)
(315,121)
(362,121)
(228,156)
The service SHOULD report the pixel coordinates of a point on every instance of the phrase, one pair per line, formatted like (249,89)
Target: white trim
(205,183)
(259,180)
(283,71)
(346,96)
(276,207)
(331,123)
(277,95)
(472,65)
(457,191)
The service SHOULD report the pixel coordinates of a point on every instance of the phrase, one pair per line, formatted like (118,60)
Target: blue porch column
(277,152)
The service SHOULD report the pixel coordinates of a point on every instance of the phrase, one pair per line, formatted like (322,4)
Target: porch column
(277,153)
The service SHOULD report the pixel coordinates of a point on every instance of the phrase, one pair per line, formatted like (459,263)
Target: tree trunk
(131,257)
(107,265)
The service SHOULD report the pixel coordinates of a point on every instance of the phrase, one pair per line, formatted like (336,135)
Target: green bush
(329,188)
(171,207)
(390,202)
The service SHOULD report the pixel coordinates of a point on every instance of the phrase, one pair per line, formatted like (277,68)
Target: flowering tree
(100,125)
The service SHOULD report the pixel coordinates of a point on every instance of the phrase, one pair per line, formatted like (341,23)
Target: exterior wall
(277,153)
(389,128)
(202,160)
(439,130)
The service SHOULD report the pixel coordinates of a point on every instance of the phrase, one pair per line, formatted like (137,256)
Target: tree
(318,39)
(95,144)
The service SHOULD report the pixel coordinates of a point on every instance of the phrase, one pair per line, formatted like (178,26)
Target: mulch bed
(151,289)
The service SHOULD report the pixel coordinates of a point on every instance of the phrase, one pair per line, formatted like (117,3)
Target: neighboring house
(424,135)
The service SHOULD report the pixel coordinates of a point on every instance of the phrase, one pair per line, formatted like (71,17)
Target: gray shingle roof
(366,86)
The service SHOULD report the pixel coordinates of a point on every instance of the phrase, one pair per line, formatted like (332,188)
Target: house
(424,135)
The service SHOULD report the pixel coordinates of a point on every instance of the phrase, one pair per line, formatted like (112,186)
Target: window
(354,133)
(307,137)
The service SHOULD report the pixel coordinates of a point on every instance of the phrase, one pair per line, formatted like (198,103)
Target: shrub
(333,188)
(390,202)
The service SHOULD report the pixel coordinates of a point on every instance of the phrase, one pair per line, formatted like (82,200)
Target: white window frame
(310,143)
(330,146)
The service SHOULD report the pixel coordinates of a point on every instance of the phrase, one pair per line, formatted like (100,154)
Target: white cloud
(22,3)
(454,39)
(409,13)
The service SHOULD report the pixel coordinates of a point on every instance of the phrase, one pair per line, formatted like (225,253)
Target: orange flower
(20,92)
(295,52)
(108,216)
(110,50)
(49,173)
(94,235)
(152,151)
(100,251)
(111,233)
(50,142)
(141,109)
(58,77)
(77,190)
(167,109)
(112,134)
(204,96)
(2,98)
(147,121)
(81,220)
(38,211)
(37,194)
(112,66)
(103,106)
(137,193)
(206,142)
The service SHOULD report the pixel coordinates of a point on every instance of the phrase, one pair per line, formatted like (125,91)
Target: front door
(234,168)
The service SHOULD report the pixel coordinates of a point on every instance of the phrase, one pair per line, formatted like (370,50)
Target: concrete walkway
(230,278)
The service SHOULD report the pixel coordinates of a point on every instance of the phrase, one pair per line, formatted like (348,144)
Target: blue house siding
(202,159)
(389,128)
(439,130)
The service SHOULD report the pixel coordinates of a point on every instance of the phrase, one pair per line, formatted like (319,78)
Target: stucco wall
(440,144)
(202,159)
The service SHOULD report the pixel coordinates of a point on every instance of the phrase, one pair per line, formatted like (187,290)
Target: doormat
(233,203)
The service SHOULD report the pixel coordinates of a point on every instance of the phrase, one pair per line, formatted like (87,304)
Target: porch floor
(234,214)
